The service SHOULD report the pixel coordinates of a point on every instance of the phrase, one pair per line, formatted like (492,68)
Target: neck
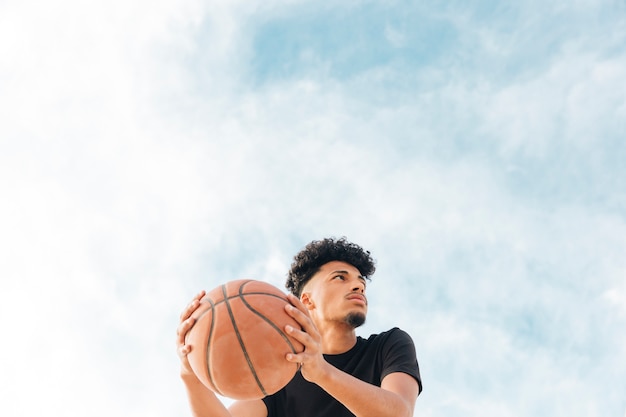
(337,338)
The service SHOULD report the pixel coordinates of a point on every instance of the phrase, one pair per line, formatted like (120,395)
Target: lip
(359,298)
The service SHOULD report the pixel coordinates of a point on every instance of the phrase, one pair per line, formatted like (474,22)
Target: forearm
(202,401)
(361,398)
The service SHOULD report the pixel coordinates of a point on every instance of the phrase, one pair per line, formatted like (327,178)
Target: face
(336,293)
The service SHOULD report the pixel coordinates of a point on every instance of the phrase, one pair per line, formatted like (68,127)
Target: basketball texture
(238,343)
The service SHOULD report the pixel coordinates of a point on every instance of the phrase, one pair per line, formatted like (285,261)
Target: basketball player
(341,374)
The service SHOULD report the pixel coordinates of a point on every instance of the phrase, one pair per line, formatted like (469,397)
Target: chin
(355,320)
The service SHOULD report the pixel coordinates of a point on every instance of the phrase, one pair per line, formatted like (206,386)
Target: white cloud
(394,36)
(136,168)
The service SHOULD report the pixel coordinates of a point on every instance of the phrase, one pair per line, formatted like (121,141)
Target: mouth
(357,298)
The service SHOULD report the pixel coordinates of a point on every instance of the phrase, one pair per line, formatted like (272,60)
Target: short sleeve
(399,356)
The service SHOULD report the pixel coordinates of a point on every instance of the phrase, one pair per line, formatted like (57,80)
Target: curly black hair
(319,252)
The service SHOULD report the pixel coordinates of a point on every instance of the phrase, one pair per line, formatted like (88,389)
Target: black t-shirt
(370,360)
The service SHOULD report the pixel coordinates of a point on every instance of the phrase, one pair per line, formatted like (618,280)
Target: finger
(184,350)
(309,340)
(298,358)
(183,328)
(191,307)
(295,301)
(183,353)
(302,317)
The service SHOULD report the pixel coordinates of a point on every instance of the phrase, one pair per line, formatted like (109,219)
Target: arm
(394,398)
(202,401)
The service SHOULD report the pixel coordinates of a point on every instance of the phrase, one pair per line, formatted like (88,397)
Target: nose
(358,287)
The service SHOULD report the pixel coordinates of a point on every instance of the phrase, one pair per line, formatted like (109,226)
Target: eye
(341,277)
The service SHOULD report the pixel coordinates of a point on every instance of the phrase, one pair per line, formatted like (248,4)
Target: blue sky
(152,149)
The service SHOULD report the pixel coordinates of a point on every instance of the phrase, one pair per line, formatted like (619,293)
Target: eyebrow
(347,273)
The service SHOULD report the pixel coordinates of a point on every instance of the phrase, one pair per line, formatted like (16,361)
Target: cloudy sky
(150,149)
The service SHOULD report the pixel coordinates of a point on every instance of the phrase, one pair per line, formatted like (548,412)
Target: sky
(149,150)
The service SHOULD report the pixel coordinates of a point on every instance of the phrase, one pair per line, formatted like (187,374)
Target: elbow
(404,409)
(408,412)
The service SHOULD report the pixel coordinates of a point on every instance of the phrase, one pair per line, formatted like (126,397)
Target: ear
(305,298)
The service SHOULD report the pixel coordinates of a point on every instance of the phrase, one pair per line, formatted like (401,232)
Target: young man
(341,374)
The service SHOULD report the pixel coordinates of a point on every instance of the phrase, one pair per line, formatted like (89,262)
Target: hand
(311,360)
(185,324)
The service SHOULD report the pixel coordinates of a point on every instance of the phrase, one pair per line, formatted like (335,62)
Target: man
(341,374)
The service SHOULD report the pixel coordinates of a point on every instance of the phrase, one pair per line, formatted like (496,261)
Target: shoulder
(398,350)
(393,334)
(392,343)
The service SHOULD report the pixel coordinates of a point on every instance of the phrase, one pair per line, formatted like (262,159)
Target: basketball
(238,343)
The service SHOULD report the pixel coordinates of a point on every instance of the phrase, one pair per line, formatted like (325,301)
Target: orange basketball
(238,343)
